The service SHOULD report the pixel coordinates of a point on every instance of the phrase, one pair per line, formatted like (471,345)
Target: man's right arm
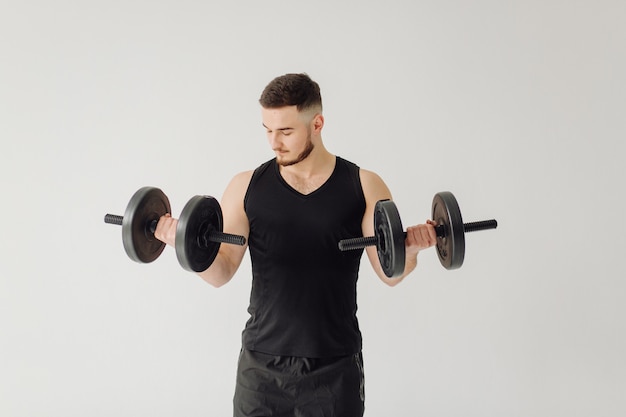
(235,221)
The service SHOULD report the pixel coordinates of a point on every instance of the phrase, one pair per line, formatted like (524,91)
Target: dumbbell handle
(440,230)
(211,236)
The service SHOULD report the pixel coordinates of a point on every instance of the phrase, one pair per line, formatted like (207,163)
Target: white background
(517,107)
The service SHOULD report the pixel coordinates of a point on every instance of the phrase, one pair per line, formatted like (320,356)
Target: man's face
(288,133)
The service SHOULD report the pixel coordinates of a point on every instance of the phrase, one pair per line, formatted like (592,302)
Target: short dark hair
(291,90)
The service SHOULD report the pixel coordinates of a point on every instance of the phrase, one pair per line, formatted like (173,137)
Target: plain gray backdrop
(517,107)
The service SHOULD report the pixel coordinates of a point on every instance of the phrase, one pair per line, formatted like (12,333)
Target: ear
(318,122)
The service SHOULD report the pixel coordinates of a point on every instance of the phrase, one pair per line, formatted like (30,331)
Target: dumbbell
(389,236)
(198,233)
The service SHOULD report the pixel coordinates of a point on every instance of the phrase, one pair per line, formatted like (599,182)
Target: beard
(301,157)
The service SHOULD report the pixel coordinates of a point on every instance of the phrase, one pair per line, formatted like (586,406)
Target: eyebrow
(280,128)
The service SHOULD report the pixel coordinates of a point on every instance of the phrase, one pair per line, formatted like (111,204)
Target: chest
(286,208)
(290,228)
(305,186)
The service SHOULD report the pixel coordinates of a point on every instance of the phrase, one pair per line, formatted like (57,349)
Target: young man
(301,353)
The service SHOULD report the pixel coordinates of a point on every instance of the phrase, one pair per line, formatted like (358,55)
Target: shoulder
(239,183)
(370,179)
(374,187)
(242,177)
(369,176)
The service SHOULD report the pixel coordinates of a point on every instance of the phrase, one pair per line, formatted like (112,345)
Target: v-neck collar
(316,191)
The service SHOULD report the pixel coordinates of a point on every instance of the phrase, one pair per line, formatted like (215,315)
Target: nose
(272,137)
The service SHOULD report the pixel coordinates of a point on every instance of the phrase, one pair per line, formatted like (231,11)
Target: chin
(285,162)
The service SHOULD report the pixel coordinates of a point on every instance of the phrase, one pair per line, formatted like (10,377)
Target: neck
(318,162)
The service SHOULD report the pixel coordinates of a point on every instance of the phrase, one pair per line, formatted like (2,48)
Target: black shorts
(269,385)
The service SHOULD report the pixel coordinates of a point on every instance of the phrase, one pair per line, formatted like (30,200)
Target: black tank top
(303,300)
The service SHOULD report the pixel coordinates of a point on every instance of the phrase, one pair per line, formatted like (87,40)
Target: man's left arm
(418,237)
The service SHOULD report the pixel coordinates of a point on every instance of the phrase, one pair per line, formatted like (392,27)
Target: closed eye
(286,131)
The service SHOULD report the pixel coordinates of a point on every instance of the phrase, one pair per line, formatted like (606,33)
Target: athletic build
(301,353)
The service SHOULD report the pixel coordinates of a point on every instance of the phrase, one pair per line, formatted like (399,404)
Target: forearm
(418,238)
(409,266)
(220,272)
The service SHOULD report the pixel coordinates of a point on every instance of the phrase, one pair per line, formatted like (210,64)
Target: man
(301,353)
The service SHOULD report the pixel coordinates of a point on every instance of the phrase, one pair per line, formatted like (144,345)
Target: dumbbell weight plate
(450,247)
(391,237)
(200,215)
(148,204)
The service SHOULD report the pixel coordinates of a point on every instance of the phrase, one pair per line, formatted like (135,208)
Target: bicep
(235,218)
(374,189)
